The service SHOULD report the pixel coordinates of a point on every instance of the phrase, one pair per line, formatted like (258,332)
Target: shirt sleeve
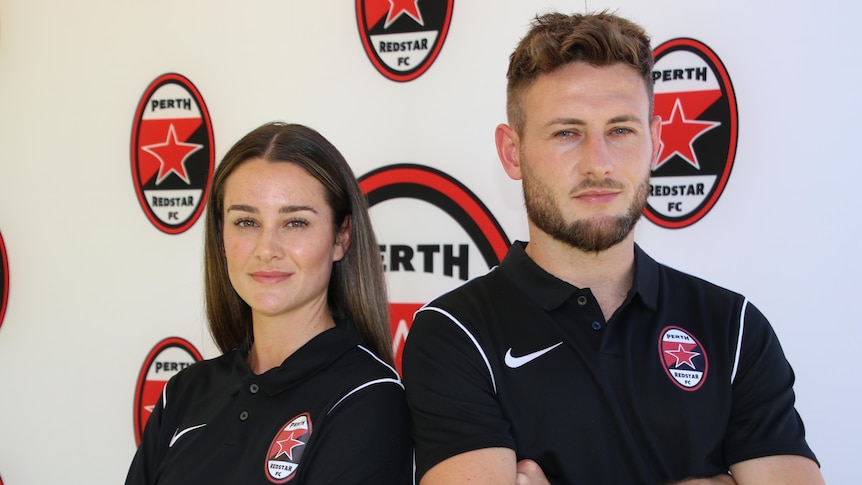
(365,439)
(451,392)
(142,471)
(763,421)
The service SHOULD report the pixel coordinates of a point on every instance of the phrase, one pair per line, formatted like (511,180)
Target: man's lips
(597,196)
(270,277)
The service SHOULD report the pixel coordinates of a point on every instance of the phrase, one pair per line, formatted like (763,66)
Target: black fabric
(603,406)
(359,423)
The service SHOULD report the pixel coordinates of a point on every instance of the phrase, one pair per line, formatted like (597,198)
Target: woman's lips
(270,277)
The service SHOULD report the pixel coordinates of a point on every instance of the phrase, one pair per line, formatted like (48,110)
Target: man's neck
(608,274)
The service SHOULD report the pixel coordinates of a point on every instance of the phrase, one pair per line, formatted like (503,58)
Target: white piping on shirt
(378,359)
(363,386)
(472,338)
(396,380)
(739,340)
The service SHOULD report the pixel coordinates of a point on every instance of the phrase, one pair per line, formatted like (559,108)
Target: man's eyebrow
(625,119)
(566,121)
(578,121)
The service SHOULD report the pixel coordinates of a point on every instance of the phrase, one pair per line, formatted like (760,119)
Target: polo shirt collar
(646,278)
(550,292)
(309,359)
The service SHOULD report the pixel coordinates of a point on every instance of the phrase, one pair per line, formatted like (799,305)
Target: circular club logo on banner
(697,105)
(173,153)
(401,38)
(434,235)
(168,357)
(4,281)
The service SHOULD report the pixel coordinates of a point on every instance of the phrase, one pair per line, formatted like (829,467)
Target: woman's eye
(296,223)
(244,223)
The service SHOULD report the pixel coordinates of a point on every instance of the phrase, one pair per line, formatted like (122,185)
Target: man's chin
(597,234)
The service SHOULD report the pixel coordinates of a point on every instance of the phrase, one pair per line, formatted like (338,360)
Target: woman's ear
(342,239)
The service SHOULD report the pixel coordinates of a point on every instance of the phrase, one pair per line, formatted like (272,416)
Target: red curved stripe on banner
(4,284)
(448,188)
(142,376)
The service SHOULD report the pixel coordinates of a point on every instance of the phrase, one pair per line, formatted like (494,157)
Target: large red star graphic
(286,446)
(682,356)
(172,155)
(399,7)
(678,135)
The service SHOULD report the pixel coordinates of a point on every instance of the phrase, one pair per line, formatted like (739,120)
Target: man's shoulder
(679,280)
(476,295)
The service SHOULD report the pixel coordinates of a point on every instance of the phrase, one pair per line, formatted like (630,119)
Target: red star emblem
(678,135)
(682,356)
(172,155)
(286,446)
(398,8)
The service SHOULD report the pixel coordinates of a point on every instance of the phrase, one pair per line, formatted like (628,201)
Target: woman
(296,300)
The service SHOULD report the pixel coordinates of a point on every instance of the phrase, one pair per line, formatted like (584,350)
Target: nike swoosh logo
(179,433)
(515,362)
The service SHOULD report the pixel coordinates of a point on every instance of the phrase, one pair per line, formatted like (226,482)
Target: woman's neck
(277,338)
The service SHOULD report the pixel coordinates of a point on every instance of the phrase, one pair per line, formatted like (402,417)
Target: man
(580,359)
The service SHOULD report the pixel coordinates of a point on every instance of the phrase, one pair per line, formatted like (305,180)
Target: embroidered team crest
(697,105)
(168,357)
(173,153)
(683,357)
(402,38)
(4,281)
(286,449)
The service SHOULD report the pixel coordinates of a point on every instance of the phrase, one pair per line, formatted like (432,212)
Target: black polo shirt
(331,413)
(685,379)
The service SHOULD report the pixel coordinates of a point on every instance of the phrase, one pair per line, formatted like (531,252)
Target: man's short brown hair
(556,39)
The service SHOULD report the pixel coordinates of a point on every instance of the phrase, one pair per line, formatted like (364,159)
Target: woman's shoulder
(367,378)
(212,372)
(363,363)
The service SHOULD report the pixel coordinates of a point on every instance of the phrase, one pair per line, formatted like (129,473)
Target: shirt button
(253,388)
(597,325)
(582,300)
(243,415)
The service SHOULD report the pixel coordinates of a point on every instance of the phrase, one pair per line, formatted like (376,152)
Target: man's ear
(342,239)
(655,134)
(509,150)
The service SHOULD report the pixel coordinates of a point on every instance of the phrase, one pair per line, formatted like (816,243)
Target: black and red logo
(4,280)
(285,451)
(697,105)
(683,358)
(168,357)
(173,153)
(403,37)
(434,234)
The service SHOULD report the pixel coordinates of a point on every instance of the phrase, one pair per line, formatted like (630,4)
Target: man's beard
(590,235)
